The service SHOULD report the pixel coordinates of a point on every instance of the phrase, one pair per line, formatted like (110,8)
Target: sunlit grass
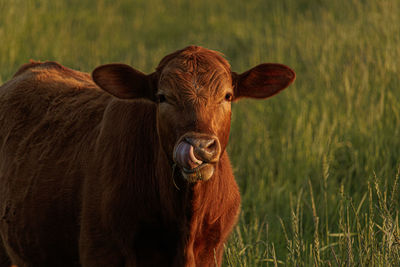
(334,132)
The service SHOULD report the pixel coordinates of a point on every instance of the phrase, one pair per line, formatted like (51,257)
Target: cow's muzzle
(197,154)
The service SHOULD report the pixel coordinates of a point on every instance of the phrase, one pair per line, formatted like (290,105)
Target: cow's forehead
(196,55)
(195,70)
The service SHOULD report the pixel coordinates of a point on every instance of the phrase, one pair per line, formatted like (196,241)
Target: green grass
(316,164)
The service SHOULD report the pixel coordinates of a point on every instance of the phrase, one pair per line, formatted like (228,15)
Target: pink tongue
(185,157)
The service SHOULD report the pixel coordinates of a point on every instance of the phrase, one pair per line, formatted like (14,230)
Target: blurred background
(317,165)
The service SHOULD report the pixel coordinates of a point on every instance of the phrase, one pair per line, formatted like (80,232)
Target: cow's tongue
(185,157)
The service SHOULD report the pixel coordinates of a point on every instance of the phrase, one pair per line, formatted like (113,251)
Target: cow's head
(193,89)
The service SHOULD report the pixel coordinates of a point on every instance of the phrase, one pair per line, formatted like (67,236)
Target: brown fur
(89,179)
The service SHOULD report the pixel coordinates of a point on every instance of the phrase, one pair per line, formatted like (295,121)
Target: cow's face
(194,110)
(193,89)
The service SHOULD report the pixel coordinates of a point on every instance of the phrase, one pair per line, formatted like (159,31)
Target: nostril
(205,148)
(210,144)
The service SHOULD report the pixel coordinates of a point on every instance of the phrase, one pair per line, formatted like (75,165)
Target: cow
(122,168)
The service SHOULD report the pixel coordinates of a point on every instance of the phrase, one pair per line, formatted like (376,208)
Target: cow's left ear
(123,81)
(262,81)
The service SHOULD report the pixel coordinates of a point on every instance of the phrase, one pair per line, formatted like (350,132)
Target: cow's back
(49,121)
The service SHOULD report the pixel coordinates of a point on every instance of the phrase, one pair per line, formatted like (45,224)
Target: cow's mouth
(201,173)
(193,161)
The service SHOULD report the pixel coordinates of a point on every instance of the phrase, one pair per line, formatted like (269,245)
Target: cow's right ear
(123,81)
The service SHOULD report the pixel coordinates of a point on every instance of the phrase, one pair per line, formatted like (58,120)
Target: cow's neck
(193,196)
(200,201)
(194,209)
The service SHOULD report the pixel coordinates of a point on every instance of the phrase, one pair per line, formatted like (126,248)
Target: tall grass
(316,164)
(366,232)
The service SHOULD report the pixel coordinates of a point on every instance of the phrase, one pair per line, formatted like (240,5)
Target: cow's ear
(123,81)
(262,81)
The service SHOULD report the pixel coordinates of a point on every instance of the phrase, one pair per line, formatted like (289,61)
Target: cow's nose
(205,148)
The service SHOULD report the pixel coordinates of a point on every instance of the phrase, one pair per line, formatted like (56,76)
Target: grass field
(318,164)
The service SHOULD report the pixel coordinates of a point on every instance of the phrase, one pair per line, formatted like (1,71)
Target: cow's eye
(228,97)
(161,98)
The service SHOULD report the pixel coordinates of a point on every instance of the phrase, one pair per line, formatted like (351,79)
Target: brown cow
(139,179)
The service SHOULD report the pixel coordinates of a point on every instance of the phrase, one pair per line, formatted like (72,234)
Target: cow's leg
(101,257)
(209,247)
(97,251)
(96,247)
(4,259)
(208,256)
